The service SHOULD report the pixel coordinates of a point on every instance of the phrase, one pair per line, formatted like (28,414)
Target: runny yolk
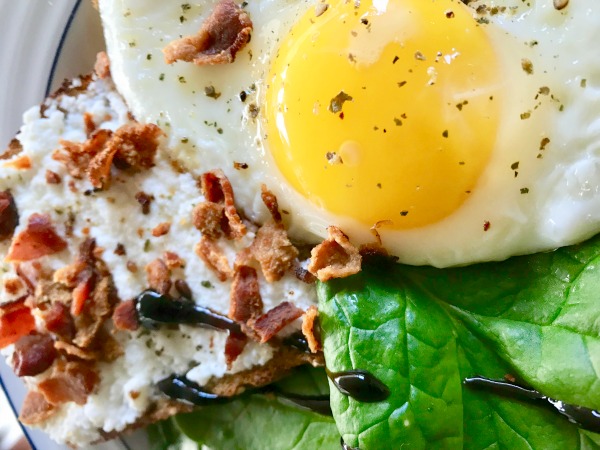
(384,110)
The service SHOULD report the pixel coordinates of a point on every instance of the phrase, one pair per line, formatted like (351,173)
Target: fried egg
(458,133)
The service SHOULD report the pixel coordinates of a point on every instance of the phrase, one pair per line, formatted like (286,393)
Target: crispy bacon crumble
(335,257)
(224,33)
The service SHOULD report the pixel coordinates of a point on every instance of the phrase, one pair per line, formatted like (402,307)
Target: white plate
(43,42)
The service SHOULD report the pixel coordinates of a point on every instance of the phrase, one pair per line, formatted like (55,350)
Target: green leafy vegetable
(260,422)
(423,330)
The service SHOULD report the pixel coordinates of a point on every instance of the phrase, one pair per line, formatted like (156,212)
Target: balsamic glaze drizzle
(316,403)
(586,418)
(155,309)
(180,388)
(298,341)
(360,385)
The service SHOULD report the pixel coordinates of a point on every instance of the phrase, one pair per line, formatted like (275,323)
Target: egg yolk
(384,110)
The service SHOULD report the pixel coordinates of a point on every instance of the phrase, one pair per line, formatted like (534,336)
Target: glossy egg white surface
(538,189)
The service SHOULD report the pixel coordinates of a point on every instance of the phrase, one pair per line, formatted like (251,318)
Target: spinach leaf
(259,422)
(164,436)
(423,330)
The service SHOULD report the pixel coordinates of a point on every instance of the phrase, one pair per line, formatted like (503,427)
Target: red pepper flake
(486,225)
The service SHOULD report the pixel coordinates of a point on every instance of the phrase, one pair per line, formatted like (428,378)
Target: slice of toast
(93,213)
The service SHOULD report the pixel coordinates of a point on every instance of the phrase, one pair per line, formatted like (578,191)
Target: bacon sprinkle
(125,316)
(72,384)
(234,346)
(224,33)
(35,409)
(37,240)
(310,329)
(9,216)
(159,277)
(33,355)
(274,251)
(335,257)
(245,301)
(214,257)
(217,189)
(16,321)
(274,320)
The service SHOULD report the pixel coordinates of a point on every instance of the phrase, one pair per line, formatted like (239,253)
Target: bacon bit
(335,257)
(304,275)
(102,65)
(158,276)
(224,33)
(14,148)
(560,4)
(73,384)
(58,320)
(20,163)
(183,289)
(274,320)
(270,201)
(35,409)
(137,145)
(217,189)
(310,329)
(173,260)
(144,200)
(208,218)
(98,170)
(125,316)
(52,177)
(131,266)
(37,240)
(89,124)
(234,346)
(33,355)
(214,257)
(245,302)
(82,291)
(16,321)
(73,350)
(77,156)
(9,216)
(13,286)
(30,272)
(161,229)
(120,250)
(274,251)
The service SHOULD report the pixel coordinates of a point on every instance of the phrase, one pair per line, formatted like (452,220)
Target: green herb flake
(206,284)
(211,92)
(336,103)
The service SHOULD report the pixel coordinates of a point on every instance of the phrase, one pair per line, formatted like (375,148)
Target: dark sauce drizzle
(360,385)
(180,388)
(155,309)
(298,341)
(586,418)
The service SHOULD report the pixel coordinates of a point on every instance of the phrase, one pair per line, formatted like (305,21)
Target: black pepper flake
(545,141)
(239,165)
(459,106)
(161,77)
(524,190)
(148,56)
(243,96)
(461,163)
(181,79)
(185,7)
(404,213)
(525,115)
(182,19)
(337,102)
(144,200)
(544,90)
(420,56)
(132,44)
(445,133)
(398,122)
(120,250)
(515,165)
(379,185)
(211,92)
(253,110)
(449,14)
(394,61)
(486,225)
(184,140)
(401,83)
(527,66)
(583,83)
(364,21)
(333,158)
(482,20)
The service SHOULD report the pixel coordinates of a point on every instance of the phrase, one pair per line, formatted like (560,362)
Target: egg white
(553,200)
